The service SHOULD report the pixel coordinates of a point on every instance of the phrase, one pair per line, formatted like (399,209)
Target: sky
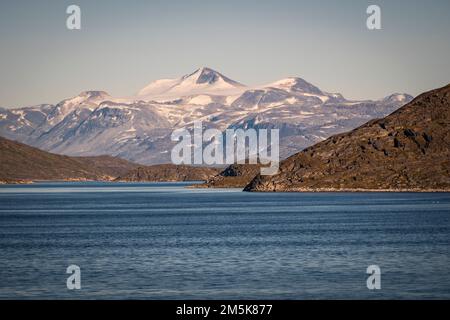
(125,44)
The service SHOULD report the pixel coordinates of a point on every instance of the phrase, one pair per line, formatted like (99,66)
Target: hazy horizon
(122,46)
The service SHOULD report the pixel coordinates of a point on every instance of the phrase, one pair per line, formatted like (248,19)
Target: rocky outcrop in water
(234,176)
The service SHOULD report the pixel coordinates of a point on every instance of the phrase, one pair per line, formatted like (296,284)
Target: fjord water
(165,241)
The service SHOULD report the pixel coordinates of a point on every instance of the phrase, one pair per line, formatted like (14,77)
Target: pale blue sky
(123,45)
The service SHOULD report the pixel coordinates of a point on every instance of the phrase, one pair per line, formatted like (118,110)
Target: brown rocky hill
(111,166)
(234,176)
(409,150)
(22,163)
(169,172)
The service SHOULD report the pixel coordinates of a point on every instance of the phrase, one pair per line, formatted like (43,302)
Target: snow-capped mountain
(139,128)
(201,81)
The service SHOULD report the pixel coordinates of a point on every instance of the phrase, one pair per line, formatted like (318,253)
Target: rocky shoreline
(357,190)
(407,151)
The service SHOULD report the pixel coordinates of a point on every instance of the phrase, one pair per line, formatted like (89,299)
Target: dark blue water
(159,241)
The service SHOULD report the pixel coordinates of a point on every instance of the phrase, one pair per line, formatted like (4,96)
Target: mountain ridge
(22,163)
(409,150)
(94,123)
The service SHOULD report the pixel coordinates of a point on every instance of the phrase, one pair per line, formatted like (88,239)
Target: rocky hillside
(108,165)
(408,150)
(234,176)
(22,163)
(168,172)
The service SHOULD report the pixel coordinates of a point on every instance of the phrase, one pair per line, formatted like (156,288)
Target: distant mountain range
(138,128)
(408,150)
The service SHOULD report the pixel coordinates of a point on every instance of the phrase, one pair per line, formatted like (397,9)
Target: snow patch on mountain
(200,82)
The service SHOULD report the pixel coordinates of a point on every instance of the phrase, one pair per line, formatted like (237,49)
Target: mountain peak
(398,97)
(86,97)
(202,81)
(202,70)
(206,75)
(296,84)
(94,95)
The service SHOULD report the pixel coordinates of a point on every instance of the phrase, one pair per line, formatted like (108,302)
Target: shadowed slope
(407,150)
